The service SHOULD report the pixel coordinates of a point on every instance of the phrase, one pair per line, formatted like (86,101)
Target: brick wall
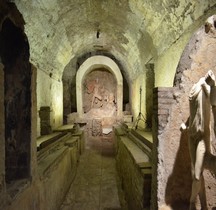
(134,171)
(162,105)
(171,178)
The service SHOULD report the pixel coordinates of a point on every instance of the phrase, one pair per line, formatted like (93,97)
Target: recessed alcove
(99,94)
(14,53)
(107,68)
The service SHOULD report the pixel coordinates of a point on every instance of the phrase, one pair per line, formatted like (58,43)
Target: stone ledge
(73,141)
(67,128)
(53,145)
(136,153)
(134,168)
(145,149)
(44,141)
(17,187)
(119,131)
(145,165)
(81,144)
(145,137)
(48,164)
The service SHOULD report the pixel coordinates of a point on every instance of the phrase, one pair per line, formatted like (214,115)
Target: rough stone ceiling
(134,31)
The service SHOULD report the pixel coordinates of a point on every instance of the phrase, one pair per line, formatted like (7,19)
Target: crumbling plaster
(49,93)
(136,33)
(59,30)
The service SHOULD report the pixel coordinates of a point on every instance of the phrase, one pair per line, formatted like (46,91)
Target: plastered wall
(50,93)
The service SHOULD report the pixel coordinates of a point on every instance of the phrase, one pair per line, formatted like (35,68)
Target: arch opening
(196,59)
(99,62)
(99,93)
(14,54)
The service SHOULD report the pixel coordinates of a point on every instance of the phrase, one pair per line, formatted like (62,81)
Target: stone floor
(96,185)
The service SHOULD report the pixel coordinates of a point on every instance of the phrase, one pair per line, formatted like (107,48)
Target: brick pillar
(162,105)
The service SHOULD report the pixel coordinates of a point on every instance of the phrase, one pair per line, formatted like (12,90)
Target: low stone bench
(45,140)
(134,168)
(74,142)
(144,137)
(146,169)
(48,164)
(49,143)
(143,146)
(80,135)
(67,128)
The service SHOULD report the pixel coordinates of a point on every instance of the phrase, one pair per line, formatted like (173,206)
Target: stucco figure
(96,94)
(199,132)
(210,24)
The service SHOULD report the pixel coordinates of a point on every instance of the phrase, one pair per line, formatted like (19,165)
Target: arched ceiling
(134,31)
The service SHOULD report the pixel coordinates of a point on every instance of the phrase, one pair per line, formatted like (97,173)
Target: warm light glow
(138,87)
(50,93)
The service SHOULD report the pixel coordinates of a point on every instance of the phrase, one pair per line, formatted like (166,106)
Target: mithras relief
(99,93)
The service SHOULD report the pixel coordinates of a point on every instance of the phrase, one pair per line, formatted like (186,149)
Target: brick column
(162,104)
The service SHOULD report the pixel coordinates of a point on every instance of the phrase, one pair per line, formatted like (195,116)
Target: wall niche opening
(99,90)
(99,94)
(14,53)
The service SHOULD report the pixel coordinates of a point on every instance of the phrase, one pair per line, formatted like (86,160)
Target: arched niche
(197,58)
(14,55)
(97,62)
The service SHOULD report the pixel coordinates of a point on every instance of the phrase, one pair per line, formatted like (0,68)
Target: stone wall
(134,171)
(17,126)
(171,169)
(171,165)
(17,100)
(55,172)
(50,94)
(132,32)
(48,193)
(2,136)
(171,178)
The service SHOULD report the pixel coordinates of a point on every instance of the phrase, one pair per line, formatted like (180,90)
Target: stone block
(128,118)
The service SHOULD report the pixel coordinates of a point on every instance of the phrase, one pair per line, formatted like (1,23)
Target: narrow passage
(96,185)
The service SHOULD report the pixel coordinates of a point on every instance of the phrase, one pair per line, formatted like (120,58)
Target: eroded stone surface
(96,185)
(174,169)
(133,31)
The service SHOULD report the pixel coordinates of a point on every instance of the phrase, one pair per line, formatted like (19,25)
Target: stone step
(47,164)
(67,128)
(119,131)
(136,152)
(145,137)
(45,140)
(49,143)
(140,144)
(128,118)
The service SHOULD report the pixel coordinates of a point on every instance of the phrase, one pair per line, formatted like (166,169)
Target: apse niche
(99,94)
(99,97)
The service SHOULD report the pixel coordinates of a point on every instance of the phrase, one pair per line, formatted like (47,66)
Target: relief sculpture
(200,136)
(99,95)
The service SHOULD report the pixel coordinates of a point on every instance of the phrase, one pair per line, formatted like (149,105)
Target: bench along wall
(134,170)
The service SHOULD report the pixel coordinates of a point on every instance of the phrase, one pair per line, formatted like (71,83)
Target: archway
(14,54)
(197,58)
(99,93)
(99,62)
